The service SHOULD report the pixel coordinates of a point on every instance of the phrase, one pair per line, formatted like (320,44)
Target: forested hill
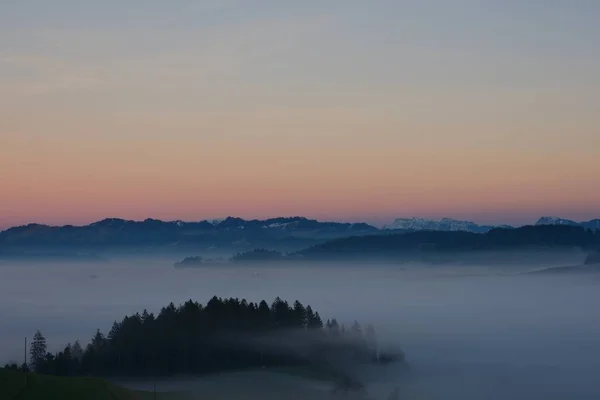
(542,236)
(224,334)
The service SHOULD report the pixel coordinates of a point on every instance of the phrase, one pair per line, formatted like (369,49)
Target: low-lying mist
(476,332)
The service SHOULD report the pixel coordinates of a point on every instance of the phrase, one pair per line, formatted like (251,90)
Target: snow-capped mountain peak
(410,223)
(444,224)
(593,224)
(549,220)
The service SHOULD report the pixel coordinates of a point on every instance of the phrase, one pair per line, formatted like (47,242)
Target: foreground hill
(16,385)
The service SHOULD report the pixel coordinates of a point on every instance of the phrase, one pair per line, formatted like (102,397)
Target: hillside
(16,385)
(542,236)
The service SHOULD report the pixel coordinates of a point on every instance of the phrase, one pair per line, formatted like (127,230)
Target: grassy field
(168,396)
(284,383)
(16,385)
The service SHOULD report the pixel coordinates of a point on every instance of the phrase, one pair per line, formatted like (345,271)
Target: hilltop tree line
(396,244)
(257,255)
(193,338)
(546,236)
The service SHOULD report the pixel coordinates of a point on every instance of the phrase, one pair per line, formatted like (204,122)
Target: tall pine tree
(300,315)
(37,351)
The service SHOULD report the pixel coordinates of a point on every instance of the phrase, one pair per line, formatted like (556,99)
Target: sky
(340,110)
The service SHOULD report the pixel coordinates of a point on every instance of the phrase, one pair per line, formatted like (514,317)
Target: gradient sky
(353,110)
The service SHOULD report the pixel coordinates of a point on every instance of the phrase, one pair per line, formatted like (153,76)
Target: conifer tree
(76,351)
(37,351)
(300,315)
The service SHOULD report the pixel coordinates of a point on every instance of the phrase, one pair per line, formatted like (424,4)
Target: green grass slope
(16,385)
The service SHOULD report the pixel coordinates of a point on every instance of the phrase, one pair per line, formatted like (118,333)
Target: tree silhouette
(300,315)
(193,338)
(37,351)
(76,351)
(313,320)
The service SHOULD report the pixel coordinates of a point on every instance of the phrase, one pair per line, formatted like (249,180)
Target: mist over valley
(468,331)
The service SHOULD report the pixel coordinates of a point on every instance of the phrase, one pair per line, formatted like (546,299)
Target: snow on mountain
(555,221)
(592,224)
(411,223)
(277,225)
(445,224)
(110,223)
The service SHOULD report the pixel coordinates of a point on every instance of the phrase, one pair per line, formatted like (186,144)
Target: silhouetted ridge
(592,224)
(542,236)
(153,232)
(257,255)
(237,235)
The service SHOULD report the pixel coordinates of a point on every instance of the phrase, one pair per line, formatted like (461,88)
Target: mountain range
(449,224)
(592,224)
(445,224)
(229,235)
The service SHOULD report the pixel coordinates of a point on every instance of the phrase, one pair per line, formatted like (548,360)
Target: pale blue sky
(480,97)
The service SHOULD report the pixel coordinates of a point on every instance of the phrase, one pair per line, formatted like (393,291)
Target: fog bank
(474,332)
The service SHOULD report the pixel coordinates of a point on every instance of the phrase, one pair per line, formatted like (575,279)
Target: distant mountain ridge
(452,225)
(281,223)
(231,233)
(228,235)
(445,224)
(591,224)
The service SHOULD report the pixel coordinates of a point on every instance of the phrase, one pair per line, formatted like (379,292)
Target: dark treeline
(193,338)
(257,255)
(544,236)
(396,245)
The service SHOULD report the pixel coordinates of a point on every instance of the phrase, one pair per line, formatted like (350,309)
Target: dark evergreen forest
(224,334)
